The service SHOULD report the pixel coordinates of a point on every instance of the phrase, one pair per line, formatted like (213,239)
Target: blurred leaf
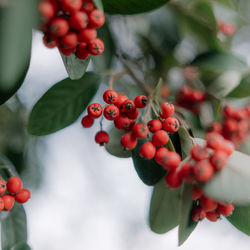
(62,104)
(164,208)
(243,89)
(98,4)
(148,170)
(75,67)
(186,224)
(114,146)
(132,6)
(240,219)
(157,91)
(14,228)
(21,246)
(186,142)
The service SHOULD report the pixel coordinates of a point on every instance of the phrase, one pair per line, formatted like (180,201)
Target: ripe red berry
(71,6)
(228,147)
(102,138)
(225,210)
(128,141)
(78,20)
(14,185)
(173,179)
(69,41)
(218,159)
(49,42)
(133,114)
(212,216)
(214,140)
(147,151)
(120,100)
(22,196)
(3,186)
(208,204)
(96,18)
(199,153)
(160,138)
(111,112)
(59,27)
(196,193)
(203,171)
(198,214)
(8,201)
(141,101)
(94,110)
(87,5)
(1,204)
(140,130)
(96,47)
(110,96)
(123,122)
(82,51)
(187,172)
(171,161)
(47,9)
(171,125)
(87,35)
(160,154)
(66,52)
(127,106)
(167,110)
(230,125)
(154,125)
(87,121)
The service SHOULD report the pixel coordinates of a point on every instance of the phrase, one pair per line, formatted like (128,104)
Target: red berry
(102,138)
(227,146)
(22,196)
(110,96)
(133,114)
(154,125)
(14,185)
(87,35)
(208,204)
(49,42)
(128,141)
(82,51)
(47,9)
(71,6)
(230,125)
(160,154)
(203,171)
(96,18)
(141,101)
(78,20)
(199,153)
(8,201)
(214,140)
(3,186)
(111,112)
(1,204)
(69,41)
(127,106)
(87,121)
(94,110)
(123,122)
(87,5)
(212,216)
(167,110)
(225,210)
(96,47)
(173,179)
(198,214)
(218,159)
(66,52)
(160,138)
(120,100)
(187,172)
(59,27)
(171,161)
(147,151)
(196,193)
(140,130)
(171,125)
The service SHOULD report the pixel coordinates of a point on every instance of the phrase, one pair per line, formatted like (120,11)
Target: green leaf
(148,170)
(14,228)
(21,246)
(131,6)
(186,142)
(243,89)
(75,67)
(98,4)
(114,146)
(240,219)
(220,62)
(16,21)
(186,224)
(164,208)
(62,104)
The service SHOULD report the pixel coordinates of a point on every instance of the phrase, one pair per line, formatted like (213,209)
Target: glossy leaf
(14,228)
(243,89)
(132,6)
(114,146)
(62,104)
(148,170)
(164,208)
(186,142)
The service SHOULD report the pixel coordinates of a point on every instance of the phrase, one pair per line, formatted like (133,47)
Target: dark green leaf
(240,219)
(186,142)
(21,246)
(98,4)
(62,104)
(14,228)
(186,224)
(75,67)
(131,6)
(114,146)
(243,89)
(164,208)
(148,170)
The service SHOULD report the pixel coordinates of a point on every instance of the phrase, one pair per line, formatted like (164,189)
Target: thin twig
(8,169)
(154,110)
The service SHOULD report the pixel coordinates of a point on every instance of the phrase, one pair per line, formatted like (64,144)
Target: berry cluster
(225,28)
(208,208)
(71,26)
(190,98)
(235,125)
(16,192)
